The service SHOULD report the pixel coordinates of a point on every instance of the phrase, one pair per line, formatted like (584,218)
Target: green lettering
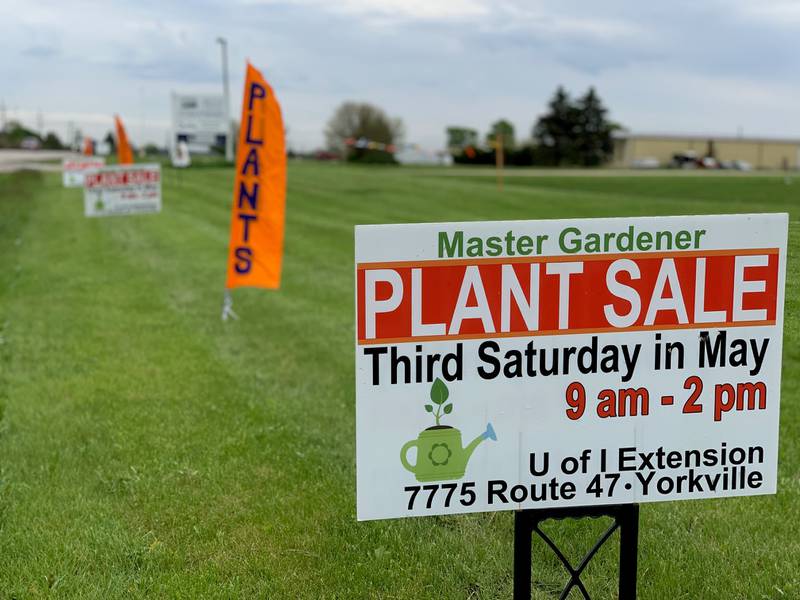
(524,245)
(474,246)
(570,241)
(698,233)
(683,239)
(494,246)
(451,248)
(592,242)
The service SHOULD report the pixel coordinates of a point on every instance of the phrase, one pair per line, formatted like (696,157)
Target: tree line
(573,132)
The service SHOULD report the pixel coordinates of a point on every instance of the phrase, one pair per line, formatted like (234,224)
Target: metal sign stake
(626,519)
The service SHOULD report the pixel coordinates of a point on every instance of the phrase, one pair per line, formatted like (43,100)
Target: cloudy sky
(686,67)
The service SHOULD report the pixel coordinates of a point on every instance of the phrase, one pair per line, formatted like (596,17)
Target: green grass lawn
(149,450)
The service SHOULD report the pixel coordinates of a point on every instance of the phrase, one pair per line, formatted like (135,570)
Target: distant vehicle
(742,165)
(30,143)
(709,162)
(325,155)
(684,160)
(647,162)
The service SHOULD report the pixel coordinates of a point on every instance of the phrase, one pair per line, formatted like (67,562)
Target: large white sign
(531,364)
(122,190)
(73,169)
(199,119)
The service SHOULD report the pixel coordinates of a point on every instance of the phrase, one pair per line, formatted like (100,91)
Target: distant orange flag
(88,147)
(124,152)
(259,192)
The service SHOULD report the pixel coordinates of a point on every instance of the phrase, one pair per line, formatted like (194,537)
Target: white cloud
(676,65)
(434,10)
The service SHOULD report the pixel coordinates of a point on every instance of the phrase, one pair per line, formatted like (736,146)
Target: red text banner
(455,299)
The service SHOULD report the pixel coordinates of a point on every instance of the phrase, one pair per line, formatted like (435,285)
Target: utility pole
(223,43)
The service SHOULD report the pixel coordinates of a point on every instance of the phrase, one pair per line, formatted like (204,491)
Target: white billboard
(199,119)
(533,364)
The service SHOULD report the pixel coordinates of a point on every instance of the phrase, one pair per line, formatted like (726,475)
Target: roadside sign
(73,169)
(122,190)
(199,119)
(532,364)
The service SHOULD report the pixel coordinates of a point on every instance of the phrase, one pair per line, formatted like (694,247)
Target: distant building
(631,150)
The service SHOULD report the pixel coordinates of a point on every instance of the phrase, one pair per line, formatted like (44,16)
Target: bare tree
(355,122)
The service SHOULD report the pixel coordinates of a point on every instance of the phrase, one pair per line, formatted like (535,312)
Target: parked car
(684,160)
(647,162)
(709,162)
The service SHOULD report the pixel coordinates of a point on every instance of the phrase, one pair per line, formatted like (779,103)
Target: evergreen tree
(593,143)
(574,132)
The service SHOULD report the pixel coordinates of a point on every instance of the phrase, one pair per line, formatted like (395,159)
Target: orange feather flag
(255,253)
(88,147)
(124,152)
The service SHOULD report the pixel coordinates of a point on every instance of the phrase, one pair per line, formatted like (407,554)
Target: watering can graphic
(440,455)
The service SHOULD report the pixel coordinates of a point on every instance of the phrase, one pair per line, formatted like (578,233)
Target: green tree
(593,143)
(554,132)
(52,142)
(506,130)
(362,132)
(111,141)
(13,133)
(459,138)
(574,132)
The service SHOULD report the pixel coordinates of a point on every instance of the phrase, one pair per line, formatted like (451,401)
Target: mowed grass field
(149,450)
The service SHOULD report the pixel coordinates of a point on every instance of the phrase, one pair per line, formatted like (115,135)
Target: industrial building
(644,150)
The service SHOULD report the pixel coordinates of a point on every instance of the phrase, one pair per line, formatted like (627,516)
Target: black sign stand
(626,519)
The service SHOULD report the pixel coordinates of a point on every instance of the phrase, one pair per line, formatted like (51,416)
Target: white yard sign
(73,169)
(532,364)
(122,190)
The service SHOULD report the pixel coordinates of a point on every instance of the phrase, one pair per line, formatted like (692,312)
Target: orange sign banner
(124,152)
(88,147)
(255,253)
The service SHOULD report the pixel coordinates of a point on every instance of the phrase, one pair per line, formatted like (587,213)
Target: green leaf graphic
(439,392)
(429,408)
(448,409)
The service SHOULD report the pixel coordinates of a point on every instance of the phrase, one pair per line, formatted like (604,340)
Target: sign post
(591,364)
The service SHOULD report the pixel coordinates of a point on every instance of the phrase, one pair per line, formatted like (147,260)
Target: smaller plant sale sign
(532,364)
(122,190)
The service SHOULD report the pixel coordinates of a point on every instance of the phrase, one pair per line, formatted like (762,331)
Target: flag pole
(227,307)
(499,159)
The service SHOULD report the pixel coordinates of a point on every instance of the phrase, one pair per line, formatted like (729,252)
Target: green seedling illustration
(440,455)
(439,396)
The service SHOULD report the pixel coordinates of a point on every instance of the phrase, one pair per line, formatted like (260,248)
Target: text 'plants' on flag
(124,152)
(259,193)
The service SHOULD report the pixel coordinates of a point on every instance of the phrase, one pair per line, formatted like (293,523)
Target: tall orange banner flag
(124,152)
(259,192)
(88,147)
